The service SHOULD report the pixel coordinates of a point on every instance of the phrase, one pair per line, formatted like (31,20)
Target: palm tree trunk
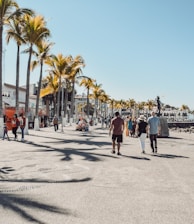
(54,101)
(58,97)
(88,102)
(17,80)
(1,73)
(72,99)
(27,89)
(39,87)
(36,126)
(1,97)
(65,102)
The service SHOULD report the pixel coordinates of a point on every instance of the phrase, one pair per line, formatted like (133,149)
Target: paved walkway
(72,178)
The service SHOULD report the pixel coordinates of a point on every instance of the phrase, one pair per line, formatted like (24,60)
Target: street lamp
(62,107)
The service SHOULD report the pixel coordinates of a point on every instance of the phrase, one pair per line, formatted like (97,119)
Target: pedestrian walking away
(22,121)
(142,131)
(15,124)
(5,132)
(55,123)
(154,130)
(117,127)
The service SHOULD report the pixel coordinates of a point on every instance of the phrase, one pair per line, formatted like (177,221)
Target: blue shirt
(153,122)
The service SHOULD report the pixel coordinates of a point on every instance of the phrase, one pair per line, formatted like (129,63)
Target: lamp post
(62,107)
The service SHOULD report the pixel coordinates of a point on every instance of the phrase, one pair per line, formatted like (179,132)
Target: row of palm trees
(29,30)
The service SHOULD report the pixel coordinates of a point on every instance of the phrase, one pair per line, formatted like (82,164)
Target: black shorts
(119,138)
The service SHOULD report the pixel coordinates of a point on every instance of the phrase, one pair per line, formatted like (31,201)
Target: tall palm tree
(42,55)
(58,65)
(88,83)
(111,103)
(132,104)
(150,104)
(50,85)
(73,71)
(8,9)
(34,31)
(14,31)
(104,100)
(96,92)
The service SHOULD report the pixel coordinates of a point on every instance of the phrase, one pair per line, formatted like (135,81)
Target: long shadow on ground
(21,204)
(137,157)
(169,156)
(87,153)
(18,204)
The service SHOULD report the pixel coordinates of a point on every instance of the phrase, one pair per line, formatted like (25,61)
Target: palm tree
(132,104)
(111,103)
(14,32)
(150,104)
(50,85)
(88,83)
(42,55)
(34,31)
(104,100)
(73,71)
(96,92)
(58,65)
(8,9)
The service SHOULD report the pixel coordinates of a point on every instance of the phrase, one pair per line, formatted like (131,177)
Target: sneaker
(113,151)
(118,153)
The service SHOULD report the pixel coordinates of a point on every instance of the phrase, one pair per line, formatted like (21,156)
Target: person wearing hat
(142,130)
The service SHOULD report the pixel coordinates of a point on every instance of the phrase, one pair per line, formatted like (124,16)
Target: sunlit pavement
(72,177)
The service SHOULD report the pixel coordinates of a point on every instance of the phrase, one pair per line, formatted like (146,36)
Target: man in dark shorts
(117,125)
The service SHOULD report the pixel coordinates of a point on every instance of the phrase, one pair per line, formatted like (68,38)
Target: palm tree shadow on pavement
(86,153)
(18,204)
(21,204)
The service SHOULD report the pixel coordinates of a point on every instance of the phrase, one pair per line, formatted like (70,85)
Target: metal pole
(62,108)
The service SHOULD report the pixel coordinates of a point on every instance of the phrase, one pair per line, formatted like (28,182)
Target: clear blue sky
(135,48)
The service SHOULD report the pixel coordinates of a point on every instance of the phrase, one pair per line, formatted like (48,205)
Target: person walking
(117,127)
(5,132)
(154,130)
(15,123)
(142,131)
(126,126)
(130,126)
(55,123)
(22,121)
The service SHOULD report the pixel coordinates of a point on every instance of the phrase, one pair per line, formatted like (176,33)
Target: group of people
(130,126)
(16,122)
(142,129)
(82,125)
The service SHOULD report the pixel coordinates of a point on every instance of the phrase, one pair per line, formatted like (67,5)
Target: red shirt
(118,124)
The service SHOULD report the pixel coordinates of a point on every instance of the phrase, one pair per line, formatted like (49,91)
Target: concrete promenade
(72,178)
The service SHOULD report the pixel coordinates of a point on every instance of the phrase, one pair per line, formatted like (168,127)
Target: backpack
(55,120)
